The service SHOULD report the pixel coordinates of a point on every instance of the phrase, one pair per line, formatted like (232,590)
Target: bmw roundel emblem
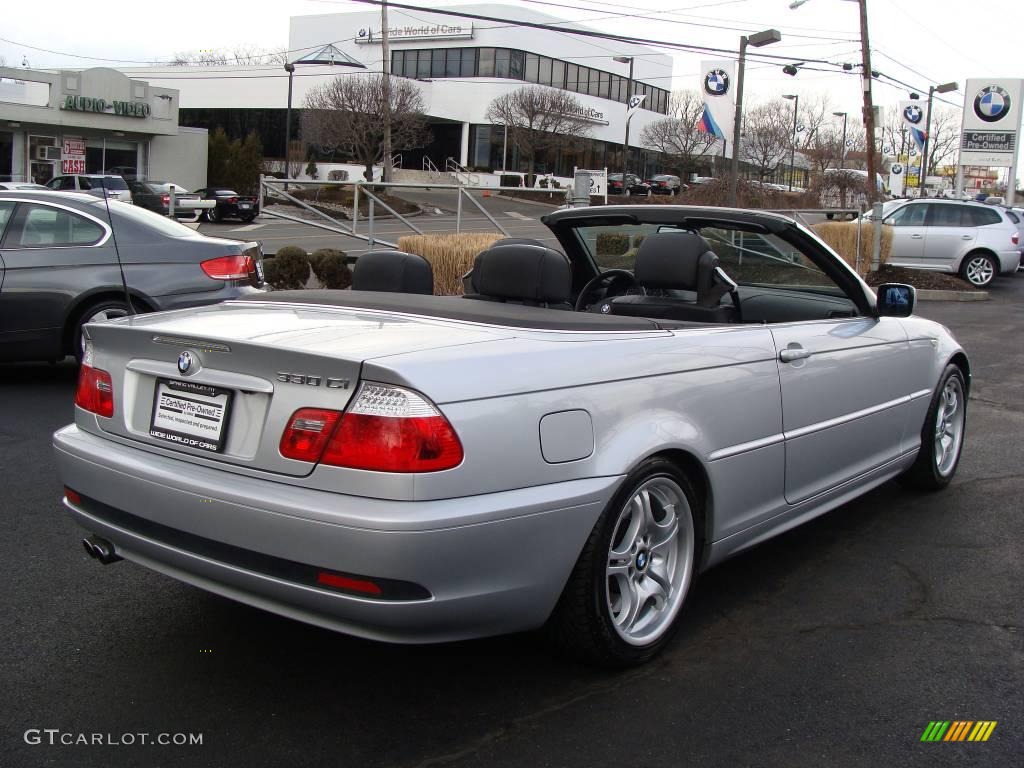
(184,362)
(606,308)
(992,104)
(913,114)
(896,169)
(716,82)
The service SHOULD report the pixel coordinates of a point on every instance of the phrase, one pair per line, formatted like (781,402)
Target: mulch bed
(919,278)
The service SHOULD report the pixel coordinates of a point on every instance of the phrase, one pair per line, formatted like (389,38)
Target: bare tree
(677,136)
(767,137)
(347,115)
(245,55)
(943,139)
(539,119)
(815,115)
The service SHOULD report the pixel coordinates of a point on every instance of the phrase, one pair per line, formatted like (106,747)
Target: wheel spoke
(662,547)
(629,605)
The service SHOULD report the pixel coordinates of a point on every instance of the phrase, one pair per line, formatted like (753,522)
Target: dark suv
(62,260)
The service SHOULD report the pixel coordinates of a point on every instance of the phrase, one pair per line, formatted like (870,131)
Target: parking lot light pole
(795,98)
(842,146)
(932,90)
(290,69)
(629,95)
(759,39)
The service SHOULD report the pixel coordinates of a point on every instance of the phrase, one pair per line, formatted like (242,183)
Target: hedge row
(291,267)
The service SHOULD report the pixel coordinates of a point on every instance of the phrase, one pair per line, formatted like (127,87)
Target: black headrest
(682,260)
(522,272)
(393,271)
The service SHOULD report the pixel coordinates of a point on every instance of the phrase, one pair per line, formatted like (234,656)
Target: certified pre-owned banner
(992,112)
(914,121)
(717,83)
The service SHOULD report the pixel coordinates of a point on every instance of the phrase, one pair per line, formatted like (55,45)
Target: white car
(95,184)
(974,240)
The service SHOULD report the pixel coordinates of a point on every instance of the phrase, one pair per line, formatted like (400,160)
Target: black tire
(830,216)
(973,272)
(248,217)
(115,307)
(925,474)
(581,624)
(213,215)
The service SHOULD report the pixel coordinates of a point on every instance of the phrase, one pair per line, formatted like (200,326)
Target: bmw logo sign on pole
(184,362)
(716,82)
(992,104)
(913,114)
(896,169)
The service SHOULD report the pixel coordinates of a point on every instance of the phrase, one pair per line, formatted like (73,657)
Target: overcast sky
(917,41)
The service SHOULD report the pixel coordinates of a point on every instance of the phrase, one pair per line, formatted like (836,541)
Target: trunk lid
(218,384)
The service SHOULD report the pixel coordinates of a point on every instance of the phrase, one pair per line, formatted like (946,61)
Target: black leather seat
(676,261)
(522,273)
(393,271)
(467,279)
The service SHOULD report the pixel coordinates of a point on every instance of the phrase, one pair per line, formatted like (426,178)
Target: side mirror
(896,300)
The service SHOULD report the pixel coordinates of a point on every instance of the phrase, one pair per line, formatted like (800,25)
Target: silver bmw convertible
(565,446)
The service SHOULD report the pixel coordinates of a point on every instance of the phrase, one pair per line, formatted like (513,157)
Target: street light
(758,40)
(842,147)
(629,96)
(795,98)
(329,55)
(932,90)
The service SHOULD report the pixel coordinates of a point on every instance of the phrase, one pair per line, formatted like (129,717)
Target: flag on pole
(719,99)
(913,119)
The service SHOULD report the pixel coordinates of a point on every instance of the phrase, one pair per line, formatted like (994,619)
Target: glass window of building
(486,65)
(453,67)
(530,71)
(516,64)
(606,79)
(423,65)
(572,73)
(544,70)
(557,73)
(437,62)
(469,62)
(501,59)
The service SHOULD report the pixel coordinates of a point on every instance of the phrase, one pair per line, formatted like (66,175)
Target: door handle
(791,354)
(917,237)
(966,237)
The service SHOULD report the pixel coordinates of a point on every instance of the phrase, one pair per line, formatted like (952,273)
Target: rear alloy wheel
(622,601)
(979,269)
(212,215)
(627,193)
(97,313)
(942,437)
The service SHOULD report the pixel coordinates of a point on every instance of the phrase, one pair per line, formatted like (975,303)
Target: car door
(950,232)
(6,211)
(907,224)
(52,254)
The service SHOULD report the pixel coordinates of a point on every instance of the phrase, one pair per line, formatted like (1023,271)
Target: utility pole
(869,108)
(385,53)
(629,97)
(795,98)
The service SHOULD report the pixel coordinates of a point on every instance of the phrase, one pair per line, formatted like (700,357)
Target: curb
(528,202)
(930,294)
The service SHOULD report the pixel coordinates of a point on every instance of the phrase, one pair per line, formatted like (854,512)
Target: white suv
(973,240)
(94,184)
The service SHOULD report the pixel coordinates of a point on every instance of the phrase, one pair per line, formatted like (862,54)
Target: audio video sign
(992,115)
(104,107)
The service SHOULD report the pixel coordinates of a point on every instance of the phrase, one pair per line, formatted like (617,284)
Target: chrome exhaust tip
(100,549)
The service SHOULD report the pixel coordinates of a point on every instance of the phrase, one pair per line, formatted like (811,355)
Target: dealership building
(94,121)
(460,65)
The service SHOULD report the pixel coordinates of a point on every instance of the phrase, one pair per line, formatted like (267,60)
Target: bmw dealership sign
(991,126)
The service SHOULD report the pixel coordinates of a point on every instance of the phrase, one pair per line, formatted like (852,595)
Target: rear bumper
(223,293)
(501,575)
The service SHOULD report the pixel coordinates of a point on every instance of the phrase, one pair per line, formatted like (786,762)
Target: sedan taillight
(165,199)
(386,429)
(1015,238)
(232,200)
(236,267)
(95,391)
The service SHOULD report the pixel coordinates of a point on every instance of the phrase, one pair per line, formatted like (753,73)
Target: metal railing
(365,228)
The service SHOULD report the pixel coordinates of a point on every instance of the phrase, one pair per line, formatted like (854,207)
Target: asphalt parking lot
(833,645)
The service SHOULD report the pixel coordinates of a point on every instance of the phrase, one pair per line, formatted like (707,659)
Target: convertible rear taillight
(386,429)
(1015,238)
(229,267)
(95,391)
(165,199)
(232,200)
(307,433)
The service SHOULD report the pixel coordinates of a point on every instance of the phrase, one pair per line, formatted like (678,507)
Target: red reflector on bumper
(338,581)
(72,496)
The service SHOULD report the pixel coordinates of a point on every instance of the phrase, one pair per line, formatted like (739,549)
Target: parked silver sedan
(418,468)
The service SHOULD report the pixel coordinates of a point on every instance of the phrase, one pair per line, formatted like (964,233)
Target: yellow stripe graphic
(988,731)
(978,728)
